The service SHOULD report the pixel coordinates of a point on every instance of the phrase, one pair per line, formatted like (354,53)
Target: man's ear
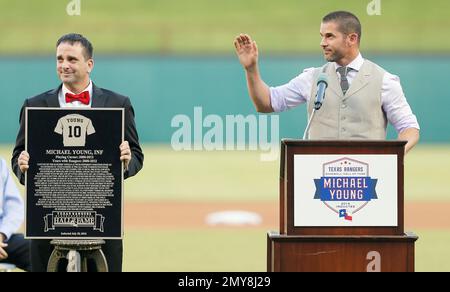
(353,39)
(90,65)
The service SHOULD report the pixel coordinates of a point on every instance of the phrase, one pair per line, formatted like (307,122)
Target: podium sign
(345,190)
(74,184)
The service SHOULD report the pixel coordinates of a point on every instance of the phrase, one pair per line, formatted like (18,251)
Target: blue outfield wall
(162,87)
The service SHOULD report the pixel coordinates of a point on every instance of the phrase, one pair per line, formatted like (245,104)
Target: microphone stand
(317,104)
(306,133)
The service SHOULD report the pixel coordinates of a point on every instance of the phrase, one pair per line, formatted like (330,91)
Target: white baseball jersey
(74,129)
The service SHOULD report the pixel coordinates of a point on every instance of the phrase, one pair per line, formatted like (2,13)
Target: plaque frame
(116,230)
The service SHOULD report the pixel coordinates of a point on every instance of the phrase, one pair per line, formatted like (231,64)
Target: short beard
(336,56)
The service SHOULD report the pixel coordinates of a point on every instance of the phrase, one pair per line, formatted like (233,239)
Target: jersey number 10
(75,132)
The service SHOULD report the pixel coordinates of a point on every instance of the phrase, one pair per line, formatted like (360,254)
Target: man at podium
(351,97)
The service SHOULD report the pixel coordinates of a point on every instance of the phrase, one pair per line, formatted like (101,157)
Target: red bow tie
(81,97)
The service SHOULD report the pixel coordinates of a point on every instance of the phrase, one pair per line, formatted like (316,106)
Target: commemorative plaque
(74,184)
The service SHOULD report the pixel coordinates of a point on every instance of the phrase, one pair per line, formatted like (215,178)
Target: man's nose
(323,43)
(64,65)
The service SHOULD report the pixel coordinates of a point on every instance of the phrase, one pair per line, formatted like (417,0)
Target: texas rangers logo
(345,187)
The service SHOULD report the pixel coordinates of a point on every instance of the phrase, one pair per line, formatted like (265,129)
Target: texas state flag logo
(345,187)
(343,214)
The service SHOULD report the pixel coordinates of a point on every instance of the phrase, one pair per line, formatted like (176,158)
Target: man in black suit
(74,63)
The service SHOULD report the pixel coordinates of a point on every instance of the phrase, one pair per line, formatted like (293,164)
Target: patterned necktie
(344,82)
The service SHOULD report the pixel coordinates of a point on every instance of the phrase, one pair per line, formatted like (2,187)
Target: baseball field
(168,202)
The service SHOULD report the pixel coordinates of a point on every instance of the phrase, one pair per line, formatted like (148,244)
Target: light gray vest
(358,114)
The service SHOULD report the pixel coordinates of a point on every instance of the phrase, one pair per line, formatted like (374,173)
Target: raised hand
(247,51)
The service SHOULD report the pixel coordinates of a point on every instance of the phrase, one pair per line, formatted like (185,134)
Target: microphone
(322,84)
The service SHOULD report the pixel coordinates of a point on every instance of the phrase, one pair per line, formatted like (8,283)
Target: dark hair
(73,38)
(347,22)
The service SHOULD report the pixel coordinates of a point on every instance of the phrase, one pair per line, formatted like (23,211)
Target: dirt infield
(170,215)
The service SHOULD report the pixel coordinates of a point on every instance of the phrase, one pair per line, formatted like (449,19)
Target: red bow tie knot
(81,97)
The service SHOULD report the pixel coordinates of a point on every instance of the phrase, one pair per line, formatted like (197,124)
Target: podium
(341,208)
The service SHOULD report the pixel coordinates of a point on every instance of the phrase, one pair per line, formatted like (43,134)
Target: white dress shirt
(11,203)
(393,100)
(62,97)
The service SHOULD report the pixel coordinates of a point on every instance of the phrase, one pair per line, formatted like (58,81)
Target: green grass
(432,252)
(426,173)
(195,250)
(212,176)
(197,26)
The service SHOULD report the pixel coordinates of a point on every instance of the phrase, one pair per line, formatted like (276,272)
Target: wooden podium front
(341,208)
(348,253)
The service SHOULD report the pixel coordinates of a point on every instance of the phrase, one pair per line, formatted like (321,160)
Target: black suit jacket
(41,249)
(100,98)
